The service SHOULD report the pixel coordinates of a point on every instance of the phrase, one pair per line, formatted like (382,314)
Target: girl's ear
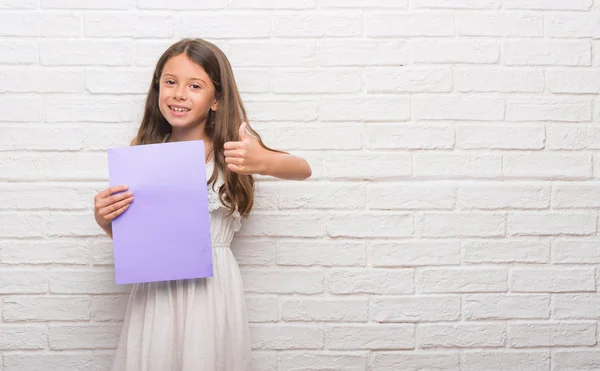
(215,105)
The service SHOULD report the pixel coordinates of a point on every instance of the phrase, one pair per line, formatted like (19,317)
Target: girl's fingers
(232,153)
(235,168)
(232,145)
(111,200)
(108,210)
(117,212)
(240,169)
(109,191)
(234,161)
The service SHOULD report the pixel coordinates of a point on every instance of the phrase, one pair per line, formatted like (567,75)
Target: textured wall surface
(452,218)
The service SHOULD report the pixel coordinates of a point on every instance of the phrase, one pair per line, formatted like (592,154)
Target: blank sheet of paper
(165,233)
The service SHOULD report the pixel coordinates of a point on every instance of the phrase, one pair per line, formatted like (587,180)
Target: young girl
(197,324)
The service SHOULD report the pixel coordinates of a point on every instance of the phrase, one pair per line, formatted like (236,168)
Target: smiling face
(186,93)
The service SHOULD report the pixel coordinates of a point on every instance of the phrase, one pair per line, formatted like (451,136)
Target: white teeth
(176,109)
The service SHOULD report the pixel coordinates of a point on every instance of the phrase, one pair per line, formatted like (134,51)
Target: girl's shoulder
(213,187)
(215,206)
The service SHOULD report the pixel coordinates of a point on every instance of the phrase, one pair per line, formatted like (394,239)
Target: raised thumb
(242,132)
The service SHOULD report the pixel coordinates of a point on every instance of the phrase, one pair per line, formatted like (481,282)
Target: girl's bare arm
(286,166)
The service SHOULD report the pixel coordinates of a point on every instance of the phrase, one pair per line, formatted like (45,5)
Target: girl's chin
(179,124)
(182,123)
(181,120)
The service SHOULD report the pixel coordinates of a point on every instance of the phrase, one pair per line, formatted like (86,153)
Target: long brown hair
(222,125)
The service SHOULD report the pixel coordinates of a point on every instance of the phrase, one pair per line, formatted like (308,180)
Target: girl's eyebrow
(191,79)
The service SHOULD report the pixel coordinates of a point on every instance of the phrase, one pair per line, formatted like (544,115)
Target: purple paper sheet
(165,233)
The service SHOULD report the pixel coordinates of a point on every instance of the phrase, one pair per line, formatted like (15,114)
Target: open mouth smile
(179,109)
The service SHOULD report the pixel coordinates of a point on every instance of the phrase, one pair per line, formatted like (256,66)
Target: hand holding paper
(110,203)
(245,156)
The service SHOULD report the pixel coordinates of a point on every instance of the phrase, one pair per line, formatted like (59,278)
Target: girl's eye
(169,82)
(195,86)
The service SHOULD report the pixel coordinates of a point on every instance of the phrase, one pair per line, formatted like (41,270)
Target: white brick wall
(452,219)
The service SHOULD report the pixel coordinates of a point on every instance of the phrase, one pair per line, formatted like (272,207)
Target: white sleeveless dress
(191,325)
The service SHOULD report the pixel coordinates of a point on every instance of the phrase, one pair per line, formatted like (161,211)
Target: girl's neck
(193,133)
(185,134)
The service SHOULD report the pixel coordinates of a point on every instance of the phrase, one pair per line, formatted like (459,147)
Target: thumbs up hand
(246,156)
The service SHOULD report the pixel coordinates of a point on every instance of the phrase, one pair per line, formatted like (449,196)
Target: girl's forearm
(286,166)
(107,229)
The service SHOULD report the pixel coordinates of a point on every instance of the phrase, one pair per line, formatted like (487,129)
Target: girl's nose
(180,93)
